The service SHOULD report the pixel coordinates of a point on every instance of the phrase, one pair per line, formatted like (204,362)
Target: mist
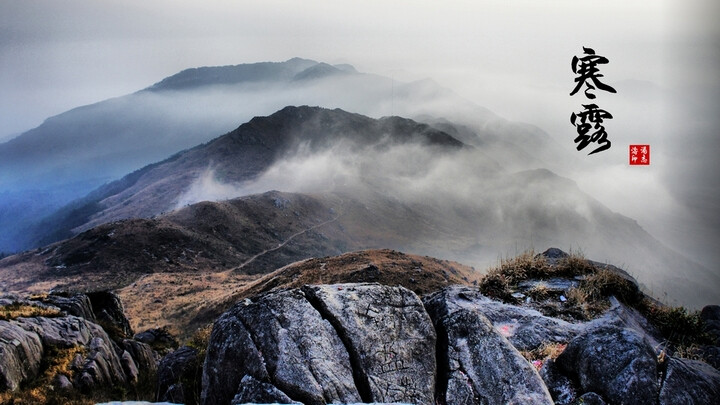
(478,212)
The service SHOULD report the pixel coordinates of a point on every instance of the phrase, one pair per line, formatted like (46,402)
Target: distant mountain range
(75,152)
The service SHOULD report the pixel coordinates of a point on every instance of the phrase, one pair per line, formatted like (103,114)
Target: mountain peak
(233,74)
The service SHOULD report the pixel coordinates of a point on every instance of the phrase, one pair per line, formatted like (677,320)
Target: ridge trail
(288,240)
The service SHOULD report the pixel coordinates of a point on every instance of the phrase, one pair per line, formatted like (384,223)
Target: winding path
(281,245)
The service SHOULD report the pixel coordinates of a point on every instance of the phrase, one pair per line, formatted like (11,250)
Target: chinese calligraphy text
(589,122)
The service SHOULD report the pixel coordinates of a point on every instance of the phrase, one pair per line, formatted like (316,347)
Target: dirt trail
(281,245)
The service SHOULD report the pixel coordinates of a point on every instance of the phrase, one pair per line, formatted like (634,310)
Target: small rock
(62,382)
(252,391)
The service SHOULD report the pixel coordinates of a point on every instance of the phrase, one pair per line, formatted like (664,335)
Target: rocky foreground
(553,335)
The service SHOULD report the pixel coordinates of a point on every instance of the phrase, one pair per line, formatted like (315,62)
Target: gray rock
(614,362)
(689,382)
(710,316)
(129,366)
(177,375)
(142,353)
(176,394)
(480,365)
(526,329)
(62,382)
(76,304)
(252,391)
(710,313)
(590,398)
(554,254)
(231,354)
(64,332)
(158,338)
(103,367)
(554,284)
(389,336)
(303,354)
(20,354)
(622,316)
(108,310)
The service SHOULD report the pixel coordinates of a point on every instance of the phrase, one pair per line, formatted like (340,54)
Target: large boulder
(284,342)
(177,376)
(689,382)
(143,354)
(389,336)
(21,352)
(614,362)
(478,364)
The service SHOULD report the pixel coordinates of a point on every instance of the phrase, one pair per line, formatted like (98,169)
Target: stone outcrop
(525,328)
(20,355)
(72,304)
(389,336)
(361,343)
(478,364)
(64,326)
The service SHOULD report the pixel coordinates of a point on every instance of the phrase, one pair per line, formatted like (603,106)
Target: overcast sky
(55,55)
(511,56)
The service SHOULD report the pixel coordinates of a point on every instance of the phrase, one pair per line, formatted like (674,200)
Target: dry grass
(200,340)
(17,310)
(539,292)
(574,265)
(548,350)
(605,283)
(41,390)
(501,280)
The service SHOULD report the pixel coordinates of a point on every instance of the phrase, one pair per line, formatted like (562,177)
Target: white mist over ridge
(479,211)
